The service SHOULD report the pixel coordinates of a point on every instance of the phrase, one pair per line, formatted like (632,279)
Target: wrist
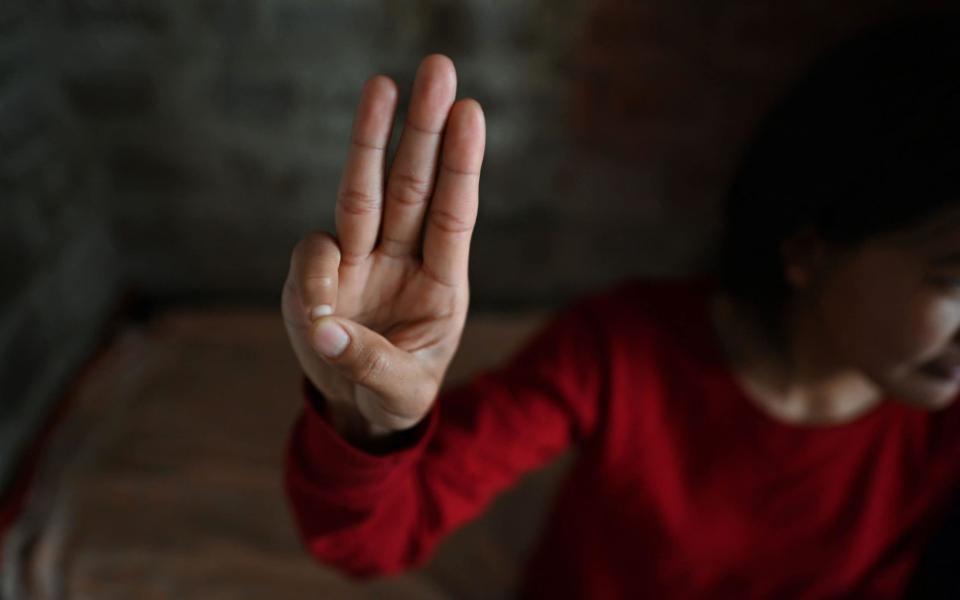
(352,425)
(346,421)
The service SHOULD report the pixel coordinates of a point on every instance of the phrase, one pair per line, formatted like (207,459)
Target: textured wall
(221,125)
(58,267)
(203,138)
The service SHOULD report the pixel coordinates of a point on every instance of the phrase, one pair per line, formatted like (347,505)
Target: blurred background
(159,160)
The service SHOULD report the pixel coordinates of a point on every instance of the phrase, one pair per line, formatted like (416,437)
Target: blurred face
(891,310)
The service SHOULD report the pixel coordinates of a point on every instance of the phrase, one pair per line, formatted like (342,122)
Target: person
(782,425)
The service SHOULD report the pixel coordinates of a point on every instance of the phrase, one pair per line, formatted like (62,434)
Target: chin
(928,403)
(924,392)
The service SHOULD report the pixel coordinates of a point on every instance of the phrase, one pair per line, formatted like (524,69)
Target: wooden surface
(165,479)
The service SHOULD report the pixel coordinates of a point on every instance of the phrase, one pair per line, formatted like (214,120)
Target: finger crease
(428,270)
(458,171)
(399,248)
(368,146)
(448,222)
(352,259)
(423,130)
(358,203)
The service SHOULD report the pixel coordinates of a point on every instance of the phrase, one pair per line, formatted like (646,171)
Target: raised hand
(375,313)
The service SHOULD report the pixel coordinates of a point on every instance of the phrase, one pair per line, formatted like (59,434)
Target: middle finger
(414,169)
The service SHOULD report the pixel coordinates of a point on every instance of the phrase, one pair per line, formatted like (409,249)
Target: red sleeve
(371,514)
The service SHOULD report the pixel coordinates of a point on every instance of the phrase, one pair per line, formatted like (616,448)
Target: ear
(802,255)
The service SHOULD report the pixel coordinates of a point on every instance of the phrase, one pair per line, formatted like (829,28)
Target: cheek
(943,321)
(909,331)
(882,327)
(926,331)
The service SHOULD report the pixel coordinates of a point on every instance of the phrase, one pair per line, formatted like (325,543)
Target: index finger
(360,196)
(453,209)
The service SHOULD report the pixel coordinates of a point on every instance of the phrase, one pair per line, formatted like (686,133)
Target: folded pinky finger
(314,268)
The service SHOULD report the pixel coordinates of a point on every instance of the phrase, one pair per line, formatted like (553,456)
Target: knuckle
(358,202)
(449,222)
(408,189)
(314,243)
(312,276)
(325,244)
(320,237)
(300,249)
(317,284)
(373,366)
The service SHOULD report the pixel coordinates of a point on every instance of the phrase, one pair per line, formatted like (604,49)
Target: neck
(806,382)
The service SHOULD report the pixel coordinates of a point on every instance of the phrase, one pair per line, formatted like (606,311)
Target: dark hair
(867,142)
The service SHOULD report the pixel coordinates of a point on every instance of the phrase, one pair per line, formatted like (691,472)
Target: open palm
(395,274)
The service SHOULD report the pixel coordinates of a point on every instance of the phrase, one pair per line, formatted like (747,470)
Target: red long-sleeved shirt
(683,488)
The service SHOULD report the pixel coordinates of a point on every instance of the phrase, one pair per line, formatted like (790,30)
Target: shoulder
(647,299)
(644,314)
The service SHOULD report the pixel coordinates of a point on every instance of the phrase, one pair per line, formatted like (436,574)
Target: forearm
(356,510)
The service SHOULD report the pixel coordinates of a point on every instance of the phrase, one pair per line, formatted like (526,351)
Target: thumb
(367,358)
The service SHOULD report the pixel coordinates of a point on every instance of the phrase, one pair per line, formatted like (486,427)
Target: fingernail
(330,338)
(321,311)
